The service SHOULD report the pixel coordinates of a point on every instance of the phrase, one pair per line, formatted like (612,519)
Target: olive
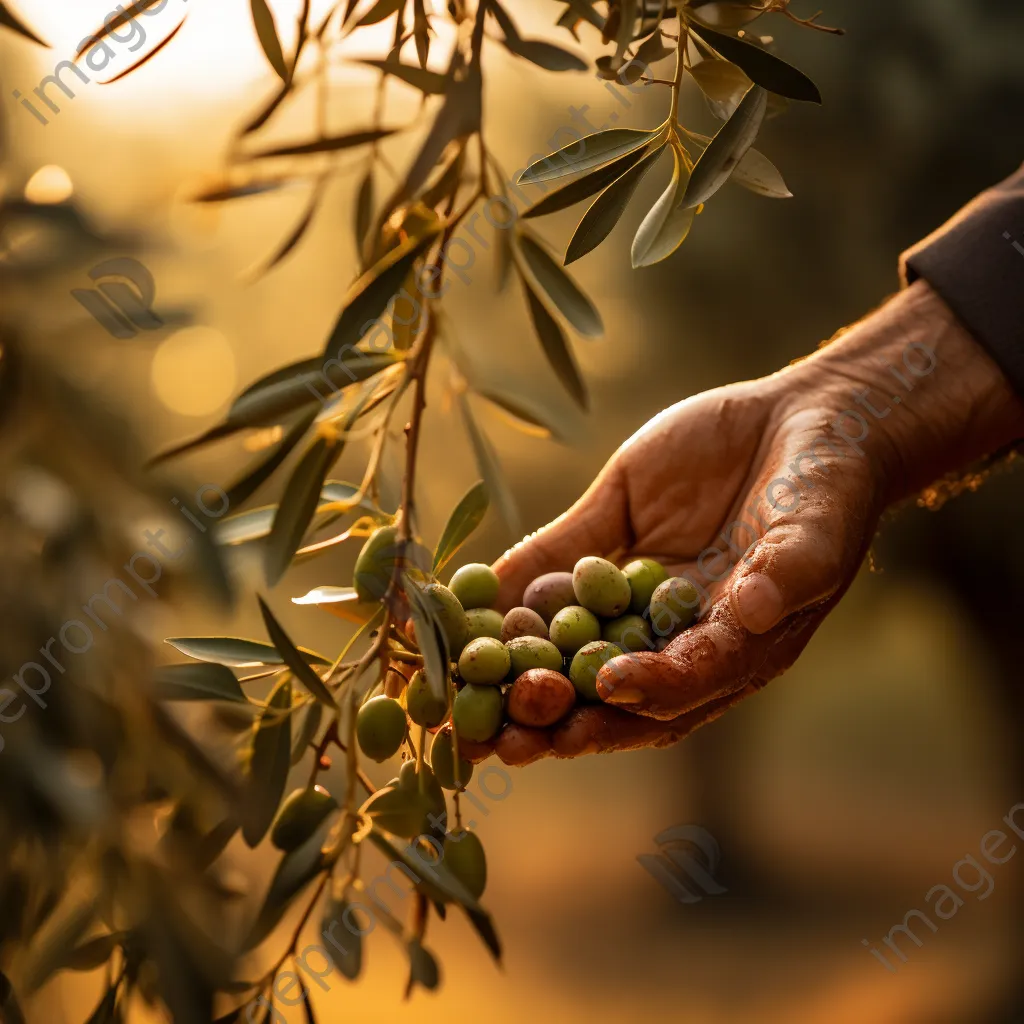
(451,615)
(674,605)
(423,707)
(463,853)
(522,621)
(600,587)
(540,697)
(408,779)
(380,727)
(484,660)
(527,652)
(442,760)
(475,585)
(484,622)
(574,627)
(477,712)
(376,564)
(643,575)
(587,662)
(630,632)
(300,816)
(549,593)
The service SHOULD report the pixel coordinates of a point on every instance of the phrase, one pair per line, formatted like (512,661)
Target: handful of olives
(531,666)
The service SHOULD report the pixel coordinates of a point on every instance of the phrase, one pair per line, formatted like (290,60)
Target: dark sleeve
(976,263)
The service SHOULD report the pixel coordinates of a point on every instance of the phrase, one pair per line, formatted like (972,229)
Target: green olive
(380,727)
(574,627)
(484,622)
(549,593)
(587,662)
(475,585)
(484,661)
(451,616)
(526,652)
(600,587)
(630,632)
(644,576)
(376,564)
(423,707)
(477,712)
(464,855)
(674,605)
(442,760)
(300,816)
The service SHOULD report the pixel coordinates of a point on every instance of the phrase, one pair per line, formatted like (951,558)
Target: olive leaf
(583,187)
(559,287)
(465,518)
(293,658)
(8,20)
(627,23)
(584,11)
(198,681)
(726,149)
(346,955)
(10,1008)
(653,49)
(556,348)
(423,969)
(757,173)
(431,83)
(430,638)
(402,812)
(726,13)
(92,953)
(592,151)
(310,726)
(489,466)
(380,11)
(544,55)
(363,211)
(268,769)
(266,32)
(667,224)
(369,296)
(328,145)
(298,503)
(343,602)
(523,419)
(723,84)
(149,56)
(605,211)
(111,23)
(300,229)
(761,67)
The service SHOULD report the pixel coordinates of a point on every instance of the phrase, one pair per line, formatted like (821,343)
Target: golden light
(193,372)
(49,185)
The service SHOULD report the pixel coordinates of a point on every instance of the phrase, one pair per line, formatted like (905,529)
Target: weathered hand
(766,494)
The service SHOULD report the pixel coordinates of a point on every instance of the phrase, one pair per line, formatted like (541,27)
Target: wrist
(914,392)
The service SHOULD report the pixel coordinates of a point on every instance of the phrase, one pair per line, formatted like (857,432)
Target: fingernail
(757,602)
(619,695)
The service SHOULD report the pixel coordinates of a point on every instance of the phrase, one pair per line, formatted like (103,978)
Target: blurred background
(844,792)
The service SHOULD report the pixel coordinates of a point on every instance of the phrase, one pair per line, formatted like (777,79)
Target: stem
(677,80)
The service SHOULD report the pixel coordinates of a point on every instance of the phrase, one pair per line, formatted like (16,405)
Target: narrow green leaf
(402,812)
(112,23)
(8,20)
(560,288)
(489,466)
(345,951)
(235,652)
(268,769)
(725,13)
(298,503)
(200,681)
(431,83)
(584,10)
(92,953)
(430,638)
(166,41)
(605,211)
(544,55)
(593,151)
(530,422)
(293,658)
(555,346)
(369,296)
(724,85)
(666,224)
(328,145)
(423,969)
(363,212)
(726,149)
(310,727)
(583,187)
(762,67)
(266,32)
(300,229)
(757,173)
(465,518)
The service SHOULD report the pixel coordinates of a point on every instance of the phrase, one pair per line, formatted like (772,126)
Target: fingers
(596,524)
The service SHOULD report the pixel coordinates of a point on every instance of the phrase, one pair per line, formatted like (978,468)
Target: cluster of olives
(533,664)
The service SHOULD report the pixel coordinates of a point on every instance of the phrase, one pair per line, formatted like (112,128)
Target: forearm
(933,398)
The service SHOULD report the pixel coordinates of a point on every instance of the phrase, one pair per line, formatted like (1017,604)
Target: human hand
(766,494)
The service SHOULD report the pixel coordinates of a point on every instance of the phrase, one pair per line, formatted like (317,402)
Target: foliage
(123,915)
